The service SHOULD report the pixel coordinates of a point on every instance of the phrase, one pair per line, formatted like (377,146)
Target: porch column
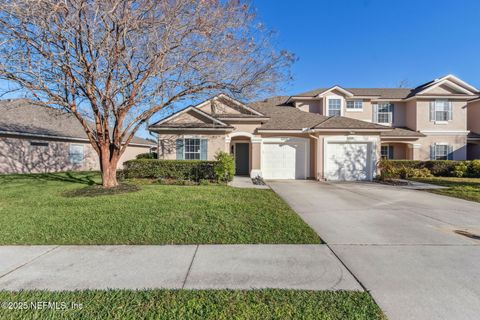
(413,152)
(256,157)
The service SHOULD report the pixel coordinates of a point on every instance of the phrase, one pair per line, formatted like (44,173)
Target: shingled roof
(383,93)
(284,117)
(23,117)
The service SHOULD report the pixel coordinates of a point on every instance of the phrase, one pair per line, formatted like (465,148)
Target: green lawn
(463,188)
(39,209)
(186,304)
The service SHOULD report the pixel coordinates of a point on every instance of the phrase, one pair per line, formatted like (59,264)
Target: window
(192,149)
(441,152)
(76,153)
(334,107)
(355,104)
(440,110)
(386,152)
(383,113)
(38,144)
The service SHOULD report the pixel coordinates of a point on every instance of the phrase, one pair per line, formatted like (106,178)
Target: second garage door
(348,161)
(285,158)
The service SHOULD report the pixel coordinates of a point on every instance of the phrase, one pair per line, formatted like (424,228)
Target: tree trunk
(108,166)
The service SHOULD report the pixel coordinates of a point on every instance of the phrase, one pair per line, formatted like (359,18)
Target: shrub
(474,169)
(460,170)
(194,170)
(439,168)
(148,155)
(415,173)
(225,168)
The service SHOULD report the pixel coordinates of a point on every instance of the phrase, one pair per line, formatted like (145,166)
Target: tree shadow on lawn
(86,178)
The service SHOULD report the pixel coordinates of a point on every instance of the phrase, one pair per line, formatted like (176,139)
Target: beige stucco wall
(459,144)
(167,144)
(473,117)
(411,114)
(459,117)
(314,106)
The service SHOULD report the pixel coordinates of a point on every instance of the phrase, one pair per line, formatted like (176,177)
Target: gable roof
(383,93)
(24,117)
(396,93)
(163,121)
(231,100)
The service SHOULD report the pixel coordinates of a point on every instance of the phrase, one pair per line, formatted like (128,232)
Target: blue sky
(376,43)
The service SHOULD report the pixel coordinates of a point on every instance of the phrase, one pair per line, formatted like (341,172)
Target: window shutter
(392,110)
(375,113)
(450,152)
(203,149)
(180,149)
(432,152)
(450,113)
(432,110)
(390,152)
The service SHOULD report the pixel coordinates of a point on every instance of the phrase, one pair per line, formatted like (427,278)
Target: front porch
(396,150)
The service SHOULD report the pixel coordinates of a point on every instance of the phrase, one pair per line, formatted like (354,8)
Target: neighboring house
(333,134)
(41,139)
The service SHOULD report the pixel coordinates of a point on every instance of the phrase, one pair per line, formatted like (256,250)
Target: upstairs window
(354,105)
(440,110)
(334,107)
(383,113)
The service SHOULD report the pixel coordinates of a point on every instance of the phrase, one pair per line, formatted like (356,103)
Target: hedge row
(194,170)
(438,168)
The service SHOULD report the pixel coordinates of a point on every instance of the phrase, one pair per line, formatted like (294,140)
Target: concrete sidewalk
(310,267)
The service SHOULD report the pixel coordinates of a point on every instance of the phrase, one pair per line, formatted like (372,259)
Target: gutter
(46,136)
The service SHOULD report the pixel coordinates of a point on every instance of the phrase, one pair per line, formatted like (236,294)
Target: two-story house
(331,133)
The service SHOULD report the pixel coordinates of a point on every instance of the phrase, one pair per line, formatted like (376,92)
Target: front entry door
(242,159)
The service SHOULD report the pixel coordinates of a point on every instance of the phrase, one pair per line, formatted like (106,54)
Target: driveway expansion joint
(190,266)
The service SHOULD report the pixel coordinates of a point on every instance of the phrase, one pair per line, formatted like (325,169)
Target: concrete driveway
(400,244)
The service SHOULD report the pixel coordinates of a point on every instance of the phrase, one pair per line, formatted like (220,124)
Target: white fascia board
(351,130)
(445,132)
(450,84)
(280,131)
(338,88)
(190,129)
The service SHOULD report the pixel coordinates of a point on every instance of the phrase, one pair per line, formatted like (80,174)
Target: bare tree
(115,63)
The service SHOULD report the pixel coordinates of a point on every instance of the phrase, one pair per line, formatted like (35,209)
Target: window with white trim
(441,110)
(192,149)
(383,113)
(386,152)
(76,153)
(335,107)
(354,105)
(441,152)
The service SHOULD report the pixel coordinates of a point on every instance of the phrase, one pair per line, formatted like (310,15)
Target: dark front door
(242,159)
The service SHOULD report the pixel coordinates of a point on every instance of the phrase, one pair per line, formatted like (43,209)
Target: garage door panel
(348,161)
(285,160)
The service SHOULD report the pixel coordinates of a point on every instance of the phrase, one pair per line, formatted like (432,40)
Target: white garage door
(288,159)
(348,161)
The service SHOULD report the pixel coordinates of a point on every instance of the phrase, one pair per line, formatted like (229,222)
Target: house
(332,133)
(42,139)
